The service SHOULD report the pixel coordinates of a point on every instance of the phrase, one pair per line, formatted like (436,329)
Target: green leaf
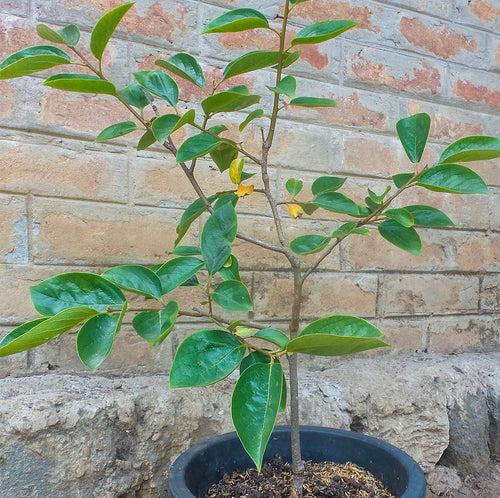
(135,278)
(452,178)
(337,203)
(81,83)
(344,230)
(252,359)
(402,216)
(251,61)
(255,405)
(155,326)
(105,28)
(476,148)
(32,60)
(289,59)
(312,102)
(95,339)
(237,20)
(135,95)
(204,358)
(187,251)
(402,179)
(427,216)
(146,140)
(322,31)
(342,325)
(273,336)
(217,235)
(326,184)
(234,99)
(69,35)
(187,118)
(286,86)
(177,271)
(116,130)
(233,295)
(223,155)
(413,132)
(38,332)
(309,244)
(72,290)
(163,126)
(191,214)
(196,146)
(160,84)
(403,237)
(231,270)
(185,66)
(294,186)
(257,113)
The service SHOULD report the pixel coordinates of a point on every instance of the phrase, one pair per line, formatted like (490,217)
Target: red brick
(475,87)
(484,13)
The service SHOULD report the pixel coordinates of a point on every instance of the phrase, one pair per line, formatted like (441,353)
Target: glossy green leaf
(135,278)
(289,59)
(309,244)
(475,148)
(333,345)
(344,230)
(217,235)
(105,28)
(38,332)
(233,295)
(146,140)
(81,83)
(427,216)
(337,203)
(187,118)
(136,96)
(72,290)
(413,132)
(197,146)
(187,251)
(402,179)
(255,405)
(452,178)
(287,86)
(252,359)
(69,35)
(312,102)
(326,184)
(190,214)
(251,61)
(204,358)
(237,20)
(403,237)
(257,113)
(116,130)
(231,269)
(342,325)
(322,31)
(234,99)
(155,326)
(160,84)
(32,60)
(176,271)
(96,338)
(163,126)
(223,155)
(402,216)
(294,186)
(273,336)
(185,66)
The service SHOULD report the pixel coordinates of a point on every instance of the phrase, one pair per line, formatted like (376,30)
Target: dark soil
(321,480)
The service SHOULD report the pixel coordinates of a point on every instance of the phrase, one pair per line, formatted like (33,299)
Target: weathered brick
(441,8)
(483,13)
(490,293)
(402,334)
(15,33)
(494,198)
(13,230)
(18,7)
(428,294)
(14,365)
(7,99)
(475,88)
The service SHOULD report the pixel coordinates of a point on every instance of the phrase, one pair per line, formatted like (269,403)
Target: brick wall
(67,203)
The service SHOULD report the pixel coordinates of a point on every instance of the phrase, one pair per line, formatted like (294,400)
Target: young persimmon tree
(97,304)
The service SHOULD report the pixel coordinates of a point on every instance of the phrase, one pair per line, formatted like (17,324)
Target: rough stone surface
(66,435)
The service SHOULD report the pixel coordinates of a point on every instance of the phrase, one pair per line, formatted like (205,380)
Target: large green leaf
(217,235)
(312,102)
(163,126)
(69,35)
(322,31)
(116,130)
(326,184)
(403,237)
(233,295)
(251,61)
(72,290)
(234,99)
(175,272)
(223,155)
(160,84)
(33,334)
(286,86)
(274,336)
(197,146)
(332,345)
(309,244)
(255,405)
(105,28)
(136,96)
(31,60)
(471,149)
(237,20)
(95,339)
(231,269)
(190,214)
(402,216)
(342,325)
(135,278)
(204,358)
(81,83)
(185,66)
(337,203)
(427,216)
(413,132)
(155,326)
(452,178)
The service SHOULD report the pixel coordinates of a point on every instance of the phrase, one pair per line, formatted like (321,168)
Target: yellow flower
(244,190)
(295,210)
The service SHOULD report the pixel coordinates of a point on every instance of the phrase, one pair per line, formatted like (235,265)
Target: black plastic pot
(204,464)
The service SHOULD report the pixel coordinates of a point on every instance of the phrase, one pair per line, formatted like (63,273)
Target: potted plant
(98,305)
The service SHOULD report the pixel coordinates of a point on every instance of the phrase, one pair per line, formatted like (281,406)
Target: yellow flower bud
(244,190)
(295,210)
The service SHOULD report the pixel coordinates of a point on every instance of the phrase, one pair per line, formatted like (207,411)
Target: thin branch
(201,314)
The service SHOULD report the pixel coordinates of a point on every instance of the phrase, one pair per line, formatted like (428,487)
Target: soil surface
(321,480)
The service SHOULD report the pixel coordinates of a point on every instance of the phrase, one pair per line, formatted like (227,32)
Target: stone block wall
(67,203)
